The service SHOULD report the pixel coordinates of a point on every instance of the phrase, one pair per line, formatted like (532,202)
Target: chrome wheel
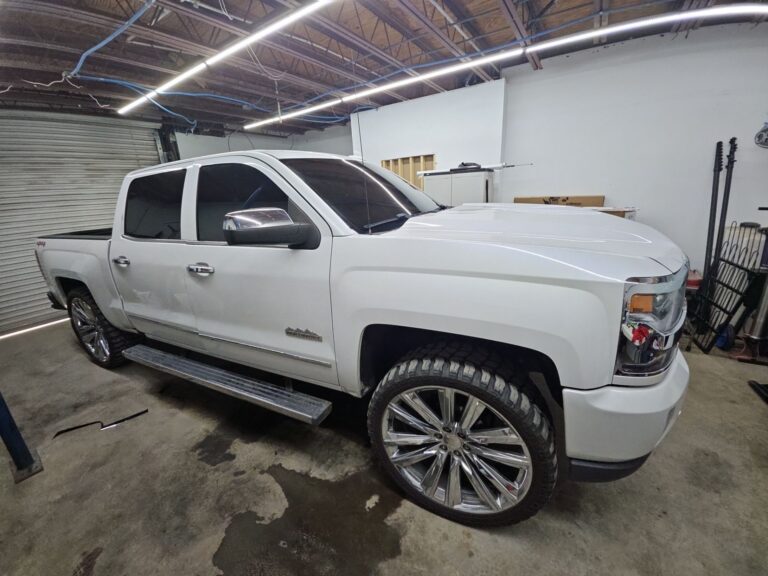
(456,449)
(89,331)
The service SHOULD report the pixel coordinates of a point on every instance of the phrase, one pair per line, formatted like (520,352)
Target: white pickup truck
(503,346)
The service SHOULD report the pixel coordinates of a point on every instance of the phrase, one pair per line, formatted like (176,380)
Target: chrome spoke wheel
(88,329)
(456,449)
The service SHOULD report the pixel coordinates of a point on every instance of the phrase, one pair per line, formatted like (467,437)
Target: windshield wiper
(397,218)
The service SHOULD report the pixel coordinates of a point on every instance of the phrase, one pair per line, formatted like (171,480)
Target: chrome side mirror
(256,218)
(268,226)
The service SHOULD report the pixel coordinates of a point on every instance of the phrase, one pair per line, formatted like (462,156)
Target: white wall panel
(463,125)
(334,140)
(638,121)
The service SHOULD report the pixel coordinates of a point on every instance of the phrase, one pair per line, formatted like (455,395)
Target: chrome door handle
(200,268)
(121,261)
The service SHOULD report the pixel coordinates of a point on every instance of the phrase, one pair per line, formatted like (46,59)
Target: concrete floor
(202,484)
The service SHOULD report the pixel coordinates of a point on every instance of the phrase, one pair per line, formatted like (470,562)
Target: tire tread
(501,378)
(117,339)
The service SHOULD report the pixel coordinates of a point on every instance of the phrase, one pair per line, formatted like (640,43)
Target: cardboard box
(584,201)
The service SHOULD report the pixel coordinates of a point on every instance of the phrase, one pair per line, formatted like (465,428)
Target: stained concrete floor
(203,484)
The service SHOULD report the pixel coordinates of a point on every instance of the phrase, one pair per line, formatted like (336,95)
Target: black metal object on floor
(732,146)
(718,168)
(24,462)
(760,389)
(733,287)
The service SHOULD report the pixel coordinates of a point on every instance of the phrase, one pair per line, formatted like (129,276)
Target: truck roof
(278,154)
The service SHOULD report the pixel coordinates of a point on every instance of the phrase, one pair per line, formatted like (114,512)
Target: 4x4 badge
(305,334)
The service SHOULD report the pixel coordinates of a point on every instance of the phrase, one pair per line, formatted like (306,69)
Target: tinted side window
(358,194)
(223,188)
(153,206)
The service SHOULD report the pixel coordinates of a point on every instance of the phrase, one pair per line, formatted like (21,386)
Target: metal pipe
(726,195)
(713,207)
(24,462)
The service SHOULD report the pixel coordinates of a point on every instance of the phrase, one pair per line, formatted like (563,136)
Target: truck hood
(533,227)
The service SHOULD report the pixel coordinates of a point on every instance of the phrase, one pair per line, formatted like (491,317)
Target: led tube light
(704,13)
(390,86)
(294,114)
(435,73)
(715,12)
(227,52)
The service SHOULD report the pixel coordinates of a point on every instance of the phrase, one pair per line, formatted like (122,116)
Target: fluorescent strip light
(714,12)
(435,73)
(40,327)
(181,77)
(390,86)
(227,52)
(294,114)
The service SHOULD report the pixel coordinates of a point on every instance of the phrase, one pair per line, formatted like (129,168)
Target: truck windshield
(369,199)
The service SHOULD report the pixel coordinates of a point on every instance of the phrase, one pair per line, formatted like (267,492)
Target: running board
(296,405)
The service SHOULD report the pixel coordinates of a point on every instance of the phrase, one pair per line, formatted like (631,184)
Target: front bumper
(616,424)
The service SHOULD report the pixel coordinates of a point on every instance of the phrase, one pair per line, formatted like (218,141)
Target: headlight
(651,324)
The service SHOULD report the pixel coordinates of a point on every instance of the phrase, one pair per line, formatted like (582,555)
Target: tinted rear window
(153,206)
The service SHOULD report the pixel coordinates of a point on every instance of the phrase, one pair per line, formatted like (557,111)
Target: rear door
(148,256)
(265,306)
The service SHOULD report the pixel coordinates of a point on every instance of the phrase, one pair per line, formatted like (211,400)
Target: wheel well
(67,285)
(383,345)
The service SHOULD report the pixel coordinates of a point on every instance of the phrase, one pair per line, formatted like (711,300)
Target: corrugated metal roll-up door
(58,173)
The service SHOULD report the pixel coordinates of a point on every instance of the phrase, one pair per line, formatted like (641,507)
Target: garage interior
(146,473)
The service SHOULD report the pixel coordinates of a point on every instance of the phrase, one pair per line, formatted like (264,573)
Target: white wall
(456,126)
(638,123)
(336,140)
(192,145)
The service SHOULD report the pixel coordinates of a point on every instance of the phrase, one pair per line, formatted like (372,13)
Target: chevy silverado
(502,346)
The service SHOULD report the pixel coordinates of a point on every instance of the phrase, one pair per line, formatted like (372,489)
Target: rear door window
(153,206)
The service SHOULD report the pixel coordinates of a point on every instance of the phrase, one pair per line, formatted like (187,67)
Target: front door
(146,256)
(264,306)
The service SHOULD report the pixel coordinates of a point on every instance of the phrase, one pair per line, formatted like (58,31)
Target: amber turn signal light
(641,303)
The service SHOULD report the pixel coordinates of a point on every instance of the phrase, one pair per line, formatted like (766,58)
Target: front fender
(574,326)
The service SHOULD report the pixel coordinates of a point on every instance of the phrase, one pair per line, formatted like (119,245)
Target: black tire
(474,370)
(116,339)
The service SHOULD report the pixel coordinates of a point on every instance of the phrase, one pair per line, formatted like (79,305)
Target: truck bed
(95,234)
(83,257)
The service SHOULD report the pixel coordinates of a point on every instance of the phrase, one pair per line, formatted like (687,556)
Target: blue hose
(128,23)
(141,90)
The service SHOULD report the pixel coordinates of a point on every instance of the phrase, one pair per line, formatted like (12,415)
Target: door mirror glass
(268,226)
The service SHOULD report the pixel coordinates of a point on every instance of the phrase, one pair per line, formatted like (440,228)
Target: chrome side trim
(270,350)
(290,355)
(156,240)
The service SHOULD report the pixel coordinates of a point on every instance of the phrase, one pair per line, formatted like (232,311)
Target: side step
(287,402)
